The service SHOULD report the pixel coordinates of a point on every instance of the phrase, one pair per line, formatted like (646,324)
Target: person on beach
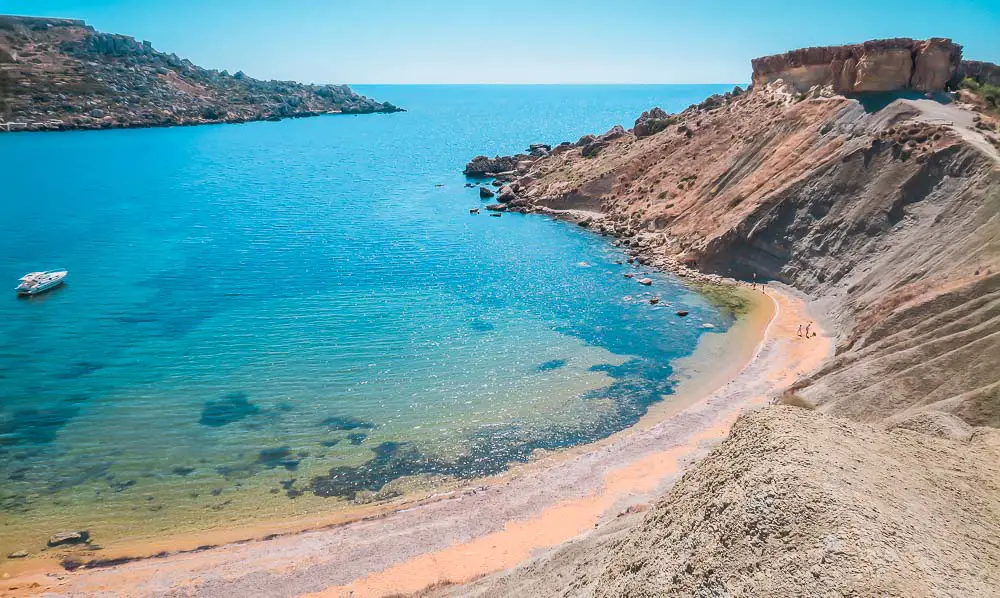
(800,330)
(753,285)
(809,325)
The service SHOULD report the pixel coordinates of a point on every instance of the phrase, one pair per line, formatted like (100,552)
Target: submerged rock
(66,538)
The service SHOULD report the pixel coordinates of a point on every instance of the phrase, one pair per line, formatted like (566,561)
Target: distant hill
(58,74)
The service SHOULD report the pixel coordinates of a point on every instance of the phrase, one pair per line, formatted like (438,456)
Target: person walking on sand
(753,285)
(800,330)
(809,325)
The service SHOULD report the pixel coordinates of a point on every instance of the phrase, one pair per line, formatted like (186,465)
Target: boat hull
(36,289)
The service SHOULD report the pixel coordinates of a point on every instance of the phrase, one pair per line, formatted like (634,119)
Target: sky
(516,41)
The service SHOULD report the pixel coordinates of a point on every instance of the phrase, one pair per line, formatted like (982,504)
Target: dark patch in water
(278,457)
(481,326)
(329,442)
(357,438)
(36,426)
(121,486)
(551,365)
(231,408)
(182,471)
(285,407)
(235,472)
(638,383)
(79,369)
(346,422)
(81,474)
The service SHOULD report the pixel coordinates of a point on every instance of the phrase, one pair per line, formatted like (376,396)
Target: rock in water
(64,538)
(646,281)
(485,193)
(507,194)
(480,165)
(682,313)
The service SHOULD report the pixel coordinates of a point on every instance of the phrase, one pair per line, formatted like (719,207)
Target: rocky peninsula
(866,176)
(61,74)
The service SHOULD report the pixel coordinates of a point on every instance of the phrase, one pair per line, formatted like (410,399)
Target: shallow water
(279,317)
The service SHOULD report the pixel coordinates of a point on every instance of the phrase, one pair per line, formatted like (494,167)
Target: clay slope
(887,210)
(836,508)
(794,504)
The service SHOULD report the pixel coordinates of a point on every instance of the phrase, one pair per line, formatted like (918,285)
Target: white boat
(39,282)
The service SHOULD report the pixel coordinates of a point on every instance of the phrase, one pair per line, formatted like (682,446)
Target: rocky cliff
(883,207)
(877,65)
(60,74)
(889,211)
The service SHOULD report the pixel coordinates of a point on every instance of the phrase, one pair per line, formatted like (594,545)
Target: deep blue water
(311,299)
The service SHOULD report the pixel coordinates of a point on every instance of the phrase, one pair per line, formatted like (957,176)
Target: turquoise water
(272,315)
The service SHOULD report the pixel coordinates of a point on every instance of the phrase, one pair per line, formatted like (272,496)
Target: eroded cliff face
(889,214)
(873,66)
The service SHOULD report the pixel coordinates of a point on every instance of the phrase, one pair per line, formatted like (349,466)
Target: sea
(277,318)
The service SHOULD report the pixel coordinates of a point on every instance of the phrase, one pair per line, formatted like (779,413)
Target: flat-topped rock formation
(877,65)
(58,74)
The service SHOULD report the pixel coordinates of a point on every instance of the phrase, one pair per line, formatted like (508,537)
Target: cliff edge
(58,74)
(872,66)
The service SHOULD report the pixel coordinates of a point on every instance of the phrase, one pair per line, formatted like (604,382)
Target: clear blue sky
(516,41)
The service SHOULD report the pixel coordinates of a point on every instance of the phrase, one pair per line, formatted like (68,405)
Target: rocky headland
(59,74)
(868,177)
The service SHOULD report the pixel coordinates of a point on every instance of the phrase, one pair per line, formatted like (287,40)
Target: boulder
(646,281)
(585,140)
(613,133)
(496,207)
(19,554)
(506,194)
(485,193)
(592,149)
(652,122)
(682,313)
(64,538)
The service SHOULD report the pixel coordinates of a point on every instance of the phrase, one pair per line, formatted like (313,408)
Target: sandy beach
(498,523)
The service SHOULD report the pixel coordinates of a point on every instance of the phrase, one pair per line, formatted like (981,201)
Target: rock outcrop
(983,72)
(873,66)
(58,74)
(484,166)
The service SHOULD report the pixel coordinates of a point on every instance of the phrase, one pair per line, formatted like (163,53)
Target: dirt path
(479,530)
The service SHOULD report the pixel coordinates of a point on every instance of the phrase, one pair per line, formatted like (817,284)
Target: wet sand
(497,524)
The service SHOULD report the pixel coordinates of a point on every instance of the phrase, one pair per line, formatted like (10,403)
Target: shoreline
(696,375)
(235,548)
(5,127)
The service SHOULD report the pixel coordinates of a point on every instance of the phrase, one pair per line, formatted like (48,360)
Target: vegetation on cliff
(62,74)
